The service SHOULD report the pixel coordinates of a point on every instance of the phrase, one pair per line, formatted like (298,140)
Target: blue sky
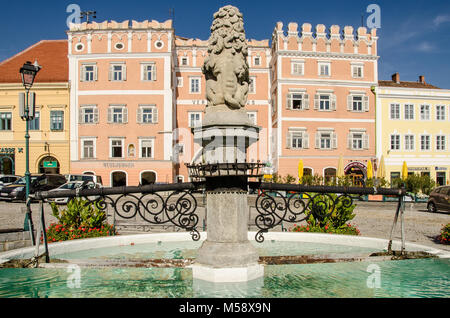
(414,34)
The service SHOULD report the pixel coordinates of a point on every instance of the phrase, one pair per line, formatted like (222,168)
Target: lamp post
(27,113)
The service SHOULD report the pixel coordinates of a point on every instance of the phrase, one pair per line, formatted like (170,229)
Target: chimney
(396,78)
(422,79)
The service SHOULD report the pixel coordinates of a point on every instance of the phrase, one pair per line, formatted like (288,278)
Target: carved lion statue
(226,68)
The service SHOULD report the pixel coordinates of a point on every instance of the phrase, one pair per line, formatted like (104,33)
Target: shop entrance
(49,165)
(357,172)
(441,178)
(7,165)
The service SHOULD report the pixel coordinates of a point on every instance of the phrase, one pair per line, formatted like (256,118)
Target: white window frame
(257,58)
(444,143)
(333,139)
(422,136)
(123,71)
(253,116)
(364,103)
(398,141)
(397,111)
(145,72)
(364,139)
(295,68)
(318,100)
(359,67)
(180,82)
(441,113)
(191,86)
(299,134)
(147,139)
(140,114)
(83,74)
(319,71)
(427,113)
(111,140)
(409,109)
(252,85)
(198,123)
(408,145)
(124,114)
(304,100)
(94,147)
(95,114)
(184,58)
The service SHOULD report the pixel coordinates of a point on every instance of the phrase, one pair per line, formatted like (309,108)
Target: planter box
(375,198)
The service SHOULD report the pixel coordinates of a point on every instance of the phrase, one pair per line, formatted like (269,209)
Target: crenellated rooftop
(125,25)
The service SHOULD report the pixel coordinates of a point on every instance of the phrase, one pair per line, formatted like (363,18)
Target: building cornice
(328,55)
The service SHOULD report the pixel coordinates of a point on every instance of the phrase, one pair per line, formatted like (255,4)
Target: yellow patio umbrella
(405,171)
(340,171)
(381,172)
(369,170)
(300,171)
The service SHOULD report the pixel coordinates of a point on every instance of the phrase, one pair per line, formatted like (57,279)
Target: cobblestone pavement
(372,219)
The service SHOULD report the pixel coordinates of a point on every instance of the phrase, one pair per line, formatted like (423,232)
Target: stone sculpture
(226,68)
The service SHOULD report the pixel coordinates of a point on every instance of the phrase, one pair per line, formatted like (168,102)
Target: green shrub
(345,230)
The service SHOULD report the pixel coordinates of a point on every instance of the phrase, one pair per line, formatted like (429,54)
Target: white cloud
(426,47)
(443,18)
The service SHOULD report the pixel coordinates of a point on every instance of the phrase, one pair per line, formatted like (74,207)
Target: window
(56,120)
(195,119)
(147,114)
(440,112)
(395,111)
(117,72)
(298,140)
(253,116)
(5,121)
(116,148)
(89,115)
(357,71)
(395,142)
(425,112)
(409,143)
(179,82)
(184,61)
(324,102)
(257,61)
(195,85)
(88,72)
(35,123)
(324,69)
(425,142)
(358,141)
(148,72)
(117,115)
(298,68)
(441,143)
(252,85)
(88,147)
(409,112)
(146,148)
(298,101)
(326,140)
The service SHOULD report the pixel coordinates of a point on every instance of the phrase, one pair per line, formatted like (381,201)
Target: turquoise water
(429,278)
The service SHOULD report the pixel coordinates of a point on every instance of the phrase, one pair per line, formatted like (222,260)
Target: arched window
(118,179)
(330,174)
(307,172)
(49,165)
(148,177)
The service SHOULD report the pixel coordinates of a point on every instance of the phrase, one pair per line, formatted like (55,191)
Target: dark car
(40,182)
(7,180)
(439,199)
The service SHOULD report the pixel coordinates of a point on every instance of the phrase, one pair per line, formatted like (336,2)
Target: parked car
(439,199)
(72,185)
(85,177)
(7,180)
(38,182)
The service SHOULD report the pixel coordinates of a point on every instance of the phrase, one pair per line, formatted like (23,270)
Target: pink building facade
(137,90)
(322,105)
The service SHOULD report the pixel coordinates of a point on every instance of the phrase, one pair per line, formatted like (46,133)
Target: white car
(67,187)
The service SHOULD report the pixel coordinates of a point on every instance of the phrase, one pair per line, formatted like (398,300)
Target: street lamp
(27,113)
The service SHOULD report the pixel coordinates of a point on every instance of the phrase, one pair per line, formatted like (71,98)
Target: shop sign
(8,151)
(418,168)
(50,164)
(118,165)
(355,167)
(441,169)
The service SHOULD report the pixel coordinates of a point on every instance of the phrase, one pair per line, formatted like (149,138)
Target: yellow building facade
(413,126)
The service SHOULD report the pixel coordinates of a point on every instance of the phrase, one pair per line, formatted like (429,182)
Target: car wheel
(432,207)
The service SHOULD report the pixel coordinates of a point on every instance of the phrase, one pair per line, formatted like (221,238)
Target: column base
(227,275)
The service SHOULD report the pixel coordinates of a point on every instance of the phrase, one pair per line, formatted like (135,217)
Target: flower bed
(59,233)
(343,230)
(444,238)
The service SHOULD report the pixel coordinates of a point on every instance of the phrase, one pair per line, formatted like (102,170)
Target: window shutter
(289,140)
(95,73)
(350,141)
(139,116)
(154,72)
(124,72)
(96,119)
(366,103)
(109,115)
(316,102)
(350,102)
(81,116)
(318,140)
(333,102)
(125,115)
(289,101)
(82,74)
(306,101)
(155,115)
(366,141)
(110,73)
(334,143)
(305,140)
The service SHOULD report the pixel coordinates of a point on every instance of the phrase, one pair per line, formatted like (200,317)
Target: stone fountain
(225,135)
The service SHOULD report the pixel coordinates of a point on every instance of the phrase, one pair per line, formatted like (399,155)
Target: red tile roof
(50,54)
(406,85)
